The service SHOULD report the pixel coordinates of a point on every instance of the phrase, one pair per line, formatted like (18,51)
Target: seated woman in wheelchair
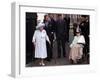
(76,47)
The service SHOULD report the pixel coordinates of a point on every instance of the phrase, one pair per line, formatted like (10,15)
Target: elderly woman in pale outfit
(39,40)
(76,46)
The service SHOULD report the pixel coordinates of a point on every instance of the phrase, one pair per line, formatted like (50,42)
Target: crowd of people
(57,29)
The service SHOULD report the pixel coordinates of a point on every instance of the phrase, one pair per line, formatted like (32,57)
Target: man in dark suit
(61,35)
(67,20)
(84,26)
(50,29)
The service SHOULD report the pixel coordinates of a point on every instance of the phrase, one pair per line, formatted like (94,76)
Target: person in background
(75,28)
(39,40)
(76,48)
(84,26)
(67,20)
(61,35)
(49,27)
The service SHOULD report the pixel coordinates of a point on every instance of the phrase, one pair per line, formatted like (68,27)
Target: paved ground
(53,62)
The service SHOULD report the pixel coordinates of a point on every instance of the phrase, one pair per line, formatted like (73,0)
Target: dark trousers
(49,48)
(67,35)
(86,49)
(61,43)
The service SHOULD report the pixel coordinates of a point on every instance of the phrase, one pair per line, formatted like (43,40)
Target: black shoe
(79,61)
(59,56)
(49,60)
(64,56)
(71,61)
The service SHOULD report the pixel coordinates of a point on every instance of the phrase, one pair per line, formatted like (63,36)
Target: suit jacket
(61,29)
(50,28)
(84,26)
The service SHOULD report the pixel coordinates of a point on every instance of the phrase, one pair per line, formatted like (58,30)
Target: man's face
(47,18)
(60,17)
(51,16)
(83,18)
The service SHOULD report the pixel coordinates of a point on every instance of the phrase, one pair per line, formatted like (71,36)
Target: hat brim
(39,26)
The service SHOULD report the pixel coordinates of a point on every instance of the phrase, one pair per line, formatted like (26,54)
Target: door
(31,22)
